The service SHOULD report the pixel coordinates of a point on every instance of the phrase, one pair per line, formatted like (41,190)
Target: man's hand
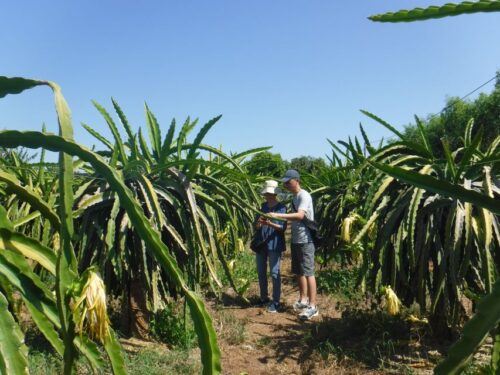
(274,214)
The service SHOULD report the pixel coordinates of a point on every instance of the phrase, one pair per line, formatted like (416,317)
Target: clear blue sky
(283,73)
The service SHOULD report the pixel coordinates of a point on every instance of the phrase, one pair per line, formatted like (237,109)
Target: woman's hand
(264,221)
(261,221)
(269,223)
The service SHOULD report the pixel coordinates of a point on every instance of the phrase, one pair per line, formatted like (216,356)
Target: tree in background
(266,164)
(307,164)
(451,123)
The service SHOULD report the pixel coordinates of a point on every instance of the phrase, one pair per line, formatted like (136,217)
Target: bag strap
(308,223)
(295,209)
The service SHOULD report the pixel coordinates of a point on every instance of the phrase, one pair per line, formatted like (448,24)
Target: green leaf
(146,154)
(40,303)
(198,139)
(469,152)
(154,132)
(111,228)
(423,135)
(4,220)
(152,198)
(251,152)
(123,119)
(449,159)
(411,145)
(371,220)
(468,133)
(181,138)
(66,262)
(193,211)
(37,297)
(474,333)
(99,137)
(369,147)
(495,352)
(431,12)
(384,123)
(13,352)
(28,247)
(412,217)
(28,195)
(167,142)
(24,220)
(115,354)
(45,326)
(210,353)
(122,156)
(440,187)
(16,85)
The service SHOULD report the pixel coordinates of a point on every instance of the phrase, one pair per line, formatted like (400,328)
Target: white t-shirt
(302,201)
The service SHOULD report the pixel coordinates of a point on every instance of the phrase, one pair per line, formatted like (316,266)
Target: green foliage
(450,125)
(201,319)
(47,363)
(244,269)
(475,369)
(427,229)
(307,164)
(338,189)
(171,326)
(187,198)
(155,362)
(450,9)
(18,274)
(266,164)
(441,187)
(13,352)
(474,333)
(419,226)
(36,295)
(340,282)
(146,361)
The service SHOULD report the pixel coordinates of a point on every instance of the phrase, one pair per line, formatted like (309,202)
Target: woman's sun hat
(270,187)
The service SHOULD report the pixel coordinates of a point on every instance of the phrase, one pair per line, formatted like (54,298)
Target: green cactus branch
(449,9)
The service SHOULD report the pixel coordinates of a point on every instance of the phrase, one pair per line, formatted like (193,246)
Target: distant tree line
(272,164)
(449,126)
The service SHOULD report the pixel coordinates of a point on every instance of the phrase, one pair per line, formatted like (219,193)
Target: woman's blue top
(277,240)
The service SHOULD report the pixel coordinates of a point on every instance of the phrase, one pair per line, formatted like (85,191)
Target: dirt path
(277,343)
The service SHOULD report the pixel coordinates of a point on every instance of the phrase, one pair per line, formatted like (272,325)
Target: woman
(273,231)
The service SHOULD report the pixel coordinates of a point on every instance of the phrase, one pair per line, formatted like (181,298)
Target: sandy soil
(276,343)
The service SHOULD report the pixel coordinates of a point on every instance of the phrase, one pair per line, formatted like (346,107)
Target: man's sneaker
(299,305)
(273,307)
(309,313)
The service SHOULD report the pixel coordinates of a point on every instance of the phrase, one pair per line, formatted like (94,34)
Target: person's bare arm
(294,216)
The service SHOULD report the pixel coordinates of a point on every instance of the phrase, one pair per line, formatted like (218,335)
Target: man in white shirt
(302,245)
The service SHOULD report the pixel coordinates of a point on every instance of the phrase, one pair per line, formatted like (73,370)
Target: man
(302,244)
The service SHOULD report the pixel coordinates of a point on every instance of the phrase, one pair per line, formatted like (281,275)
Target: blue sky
(288,74)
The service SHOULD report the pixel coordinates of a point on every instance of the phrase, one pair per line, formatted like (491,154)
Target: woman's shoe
(262,302)
(273,307)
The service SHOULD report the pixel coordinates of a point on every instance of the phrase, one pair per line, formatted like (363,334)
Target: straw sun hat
(270,187)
